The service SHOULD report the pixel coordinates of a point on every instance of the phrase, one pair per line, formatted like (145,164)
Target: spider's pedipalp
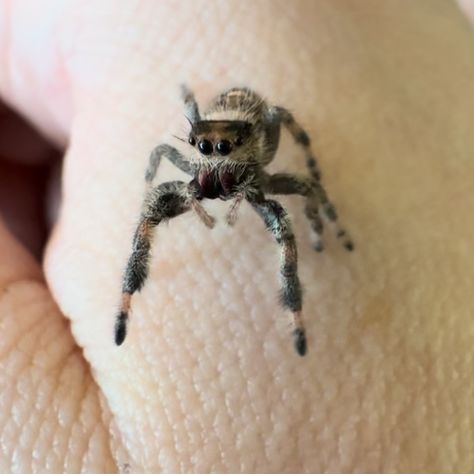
(205,217)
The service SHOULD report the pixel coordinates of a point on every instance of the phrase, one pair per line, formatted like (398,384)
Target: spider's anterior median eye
(192,141)
(224,147)
(205,147)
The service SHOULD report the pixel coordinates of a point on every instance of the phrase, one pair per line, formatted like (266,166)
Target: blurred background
(29,180)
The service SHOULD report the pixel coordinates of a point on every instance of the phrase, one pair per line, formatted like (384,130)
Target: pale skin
(206,380)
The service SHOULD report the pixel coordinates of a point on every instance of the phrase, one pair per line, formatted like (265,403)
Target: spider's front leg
(180,162)
(279,225)
(173,155)
(164,202)
(164,150)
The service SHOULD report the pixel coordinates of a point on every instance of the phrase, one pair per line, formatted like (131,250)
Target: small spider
(230,146)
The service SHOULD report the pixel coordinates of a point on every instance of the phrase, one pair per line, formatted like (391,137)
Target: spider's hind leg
(329,212)
(286,183)
(312,213)
(301,138)
(317,204)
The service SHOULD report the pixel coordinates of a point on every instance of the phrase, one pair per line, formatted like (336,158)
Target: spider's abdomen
(237,104)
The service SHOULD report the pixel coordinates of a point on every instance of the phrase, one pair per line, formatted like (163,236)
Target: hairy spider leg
(173,155)
(312,213)
(300,137)
(279,225)
(329,212)
(164,202)
(286,183)
(317,203)
(191,108)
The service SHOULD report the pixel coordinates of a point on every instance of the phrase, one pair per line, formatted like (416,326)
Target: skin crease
(207,380)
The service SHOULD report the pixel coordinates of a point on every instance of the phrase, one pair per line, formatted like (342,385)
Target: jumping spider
(230,146)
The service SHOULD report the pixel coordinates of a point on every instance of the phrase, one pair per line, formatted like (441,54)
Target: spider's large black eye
(192,141)
(224,147)
(205,147)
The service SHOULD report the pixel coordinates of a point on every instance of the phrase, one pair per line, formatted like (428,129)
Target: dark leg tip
(318,246)
(349,246)
(303,138)
(300,341)
(121,328)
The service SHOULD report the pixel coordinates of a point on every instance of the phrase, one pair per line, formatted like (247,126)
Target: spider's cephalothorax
(230,146)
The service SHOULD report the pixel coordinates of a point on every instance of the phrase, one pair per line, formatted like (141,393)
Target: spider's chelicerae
(230,145)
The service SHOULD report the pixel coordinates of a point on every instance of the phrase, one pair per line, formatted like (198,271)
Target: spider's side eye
(205,147)
(238,141)
(224,147)
(192,141)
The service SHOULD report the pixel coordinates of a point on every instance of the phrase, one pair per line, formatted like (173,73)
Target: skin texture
(207,380)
